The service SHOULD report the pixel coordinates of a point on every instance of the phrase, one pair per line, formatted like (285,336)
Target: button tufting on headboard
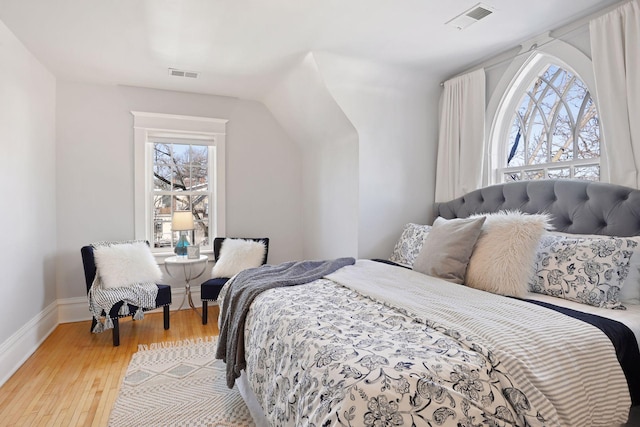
(586,207)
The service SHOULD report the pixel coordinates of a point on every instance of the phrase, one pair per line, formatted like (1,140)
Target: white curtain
(461,140)
(615,51)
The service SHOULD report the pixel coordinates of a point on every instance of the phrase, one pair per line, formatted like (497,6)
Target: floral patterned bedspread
(322,354)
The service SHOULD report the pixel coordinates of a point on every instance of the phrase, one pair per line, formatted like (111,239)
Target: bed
(377,343)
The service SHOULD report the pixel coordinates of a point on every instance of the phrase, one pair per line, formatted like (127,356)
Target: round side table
(186,269)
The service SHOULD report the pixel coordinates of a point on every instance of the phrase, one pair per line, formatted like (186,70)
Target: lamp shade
(182,221)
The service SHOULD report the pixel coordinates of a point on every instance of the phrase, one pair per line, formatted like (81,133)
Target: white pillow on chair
(237,255)
(126,264)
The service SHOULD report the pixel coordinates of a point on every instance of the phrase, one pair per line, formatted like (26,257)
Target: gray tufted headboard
(579,207)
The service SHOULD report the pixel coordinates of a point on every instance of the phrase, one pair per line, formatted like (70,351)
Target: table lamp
(182,221)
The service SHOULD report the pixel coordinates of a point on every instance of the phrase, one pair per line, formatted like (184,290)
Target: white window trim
(517,79)
(208,130)
(545,167)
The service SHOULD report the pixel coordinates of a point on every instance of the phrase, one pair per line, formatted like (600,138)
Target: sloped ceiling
(241,47)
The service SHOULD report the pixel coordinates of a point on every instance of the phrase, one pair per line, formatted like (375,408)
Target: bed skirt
(252,402)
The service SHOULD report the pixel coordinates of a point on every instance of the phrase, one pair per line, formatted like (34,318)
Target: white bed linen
(476,291)
(533,328)
(251,400)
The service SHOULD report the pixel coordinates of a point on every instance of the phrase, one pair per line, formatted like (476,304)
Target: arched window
(550,126)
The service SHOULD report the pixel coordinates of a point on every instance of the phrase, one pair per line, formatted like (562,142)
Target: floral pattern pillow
(409,244)
(586,270)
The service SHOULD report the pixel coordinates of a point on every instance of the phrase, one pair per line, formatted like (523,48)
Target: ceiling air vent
(471,16)
(182,73)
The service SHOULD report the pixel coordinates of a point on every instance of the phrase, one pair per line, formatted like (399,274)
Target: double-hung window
(179,167)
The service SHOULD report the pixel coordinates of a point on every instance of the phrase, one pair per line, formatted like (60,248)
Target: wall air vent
(182,73)
(470,16)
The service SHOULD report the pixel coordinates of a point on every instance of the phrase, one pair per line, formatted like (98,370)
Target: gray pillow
(448,247)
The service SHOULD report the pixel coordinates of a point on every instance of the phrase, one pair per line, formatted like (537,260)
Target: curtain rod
(575,25)
(553,34)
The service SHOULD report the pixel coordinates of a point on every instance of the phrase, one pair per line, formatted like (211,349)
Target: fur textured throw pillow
(505,253)
(237,255)
(126,264)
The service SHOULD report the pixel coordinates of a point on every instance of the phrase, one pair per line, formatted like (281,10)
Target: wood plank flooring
(73,378)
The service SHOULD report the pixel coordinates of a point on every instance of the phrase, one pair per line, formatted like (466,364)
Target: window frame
(506,99)
(183,129)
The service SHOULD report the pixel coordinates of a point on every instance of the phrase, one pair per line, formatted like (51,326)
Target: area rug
(178,384)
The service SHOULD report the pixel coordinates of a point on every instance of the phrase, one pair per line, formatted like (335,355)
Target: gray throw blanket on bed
(245,287)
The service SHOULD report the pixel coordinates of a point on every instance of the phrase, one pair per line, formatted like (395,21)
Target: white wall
(395,113)
(369,136)
(95,170)
(304,106)
(331,199)
(28,176)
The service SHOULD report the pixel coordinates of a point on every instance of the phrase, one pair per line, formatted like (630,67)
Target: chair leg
(116,332)
(205,312)
(165,310)
(94,322)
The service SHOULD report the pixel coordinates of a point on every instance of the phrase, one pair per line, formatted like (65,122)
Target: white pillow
(126,264)
(503,259)
(237,255)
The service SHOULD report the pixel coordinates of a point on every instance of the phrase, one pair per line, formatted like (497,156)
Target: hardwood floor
(73,377)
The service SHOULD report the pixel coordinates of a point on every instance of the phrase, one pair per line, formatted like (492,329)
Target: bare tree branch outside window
(180,182)
(555,131)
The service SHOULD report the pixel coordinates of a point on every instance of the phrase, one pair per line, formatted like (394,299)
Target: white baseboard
(19,346)
(77,309)
(73,310)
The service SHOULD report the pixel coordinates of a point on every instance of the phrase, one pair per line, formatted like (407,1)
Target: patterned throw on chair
(126,271)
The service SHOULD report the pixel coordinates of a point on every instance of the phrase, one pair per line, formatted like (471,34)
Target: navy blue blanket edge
(623,339)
